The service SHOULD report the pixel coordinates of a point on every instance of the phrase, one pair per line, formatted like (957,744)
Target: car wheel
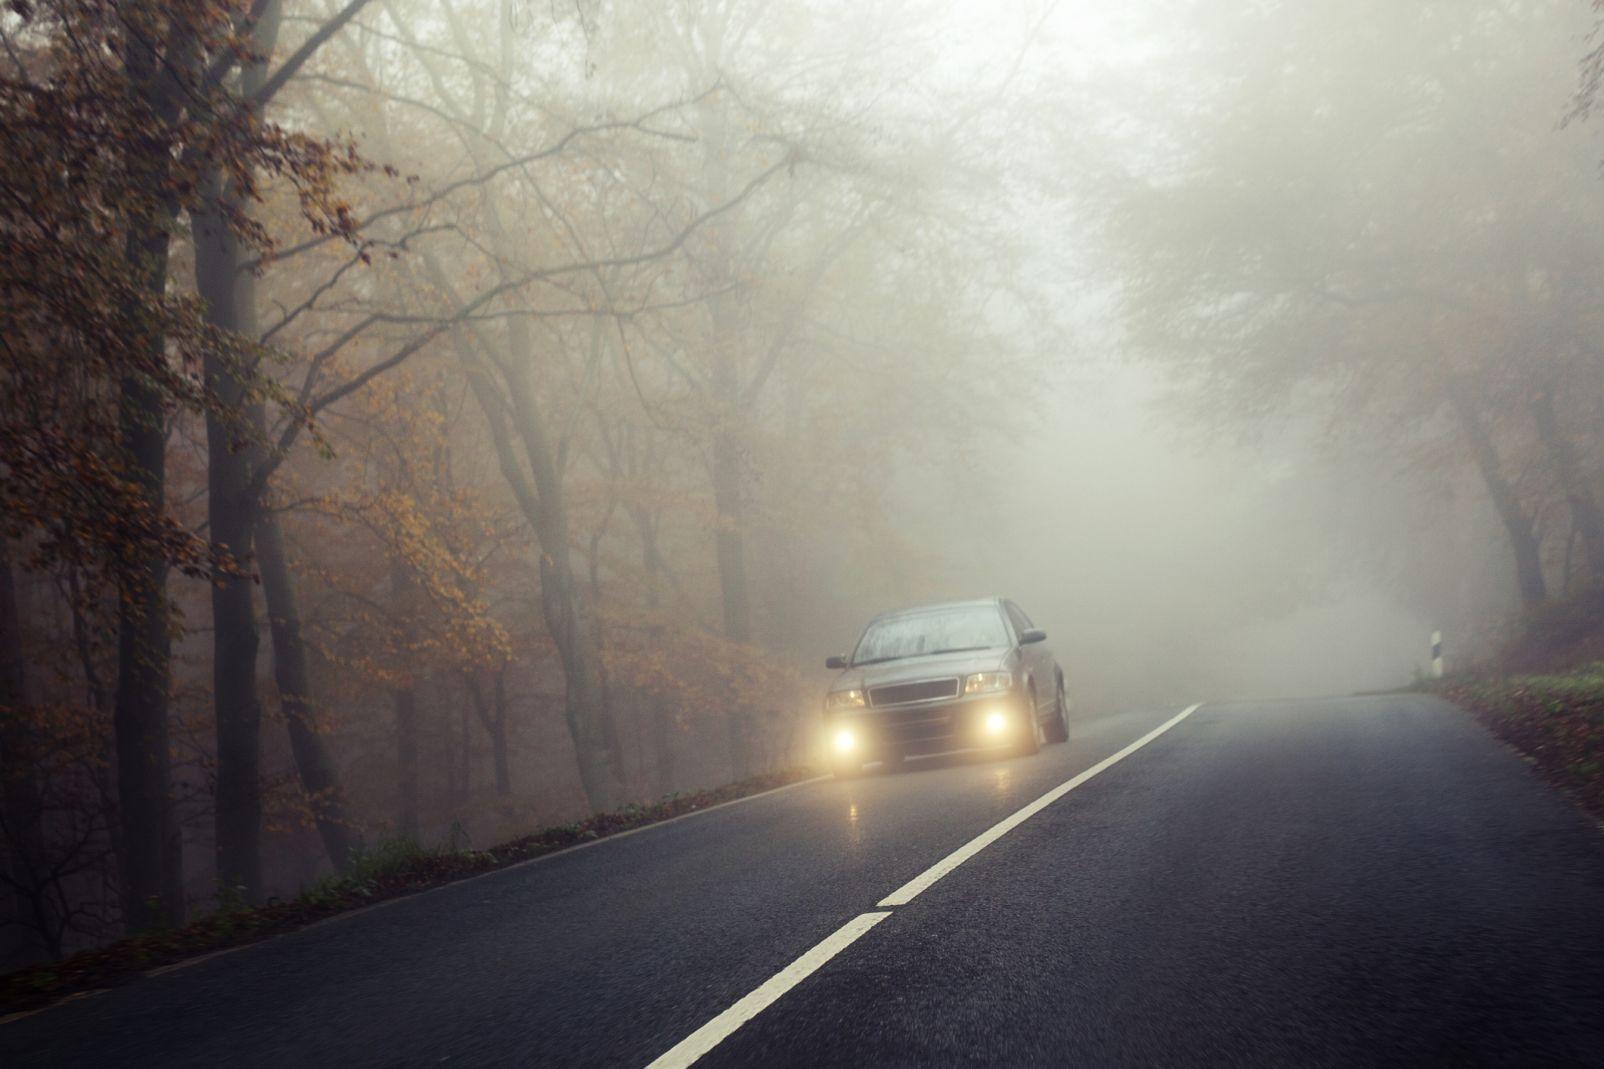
(1058,726)
(1033,733)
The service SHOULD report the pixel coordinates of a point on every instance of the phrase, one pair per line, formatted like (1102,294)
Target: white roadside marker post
(1436,655)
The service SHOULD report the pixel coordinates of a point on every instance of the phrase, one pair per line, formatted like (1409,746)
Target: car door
(1038,660)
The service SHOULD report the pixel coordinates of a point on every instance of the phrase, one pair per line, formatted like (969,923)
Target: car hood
(935,666)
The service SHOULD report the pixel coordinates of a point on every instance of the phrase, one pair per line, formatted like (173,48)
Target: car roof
(936,606)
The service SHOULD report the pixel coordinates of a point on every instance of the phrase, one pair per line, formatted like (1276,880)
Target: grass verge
(1556,719)
(390,869)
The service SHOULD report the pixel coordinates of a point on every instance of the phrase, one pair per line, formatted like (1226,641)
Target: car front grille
(927,690)
(916,724)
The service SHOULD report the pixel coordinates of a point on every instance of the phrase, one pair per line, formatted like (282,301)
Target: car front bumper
(933,728)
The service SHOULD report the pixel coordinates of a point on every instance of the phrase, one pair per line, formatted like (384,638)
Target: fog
(483,414)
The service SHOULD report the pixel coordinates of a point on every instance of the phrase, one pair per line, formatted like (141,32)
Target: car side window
(1017,617)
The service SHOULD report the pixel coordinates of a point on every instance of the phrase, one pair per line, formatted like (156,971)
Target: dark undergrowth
(388,870)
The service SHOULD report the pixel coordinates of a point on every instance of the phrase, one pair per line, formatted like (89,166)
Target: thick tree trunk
(1585,512)
(152,883)
(320,779)
(232,454)
(152,878)
(1518,526)
(32,934)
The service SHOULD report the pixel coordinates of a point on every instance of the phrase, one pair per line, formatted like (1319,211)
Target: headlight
(996,723)
(988,682)
(845,699)
(845,740)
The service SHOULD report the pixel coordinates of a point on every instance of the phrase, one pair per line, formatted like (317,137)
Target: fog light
(846,740)
(996,723)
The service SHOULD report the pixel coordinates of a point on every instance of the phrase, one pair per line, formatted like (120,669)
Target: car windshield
(917,634)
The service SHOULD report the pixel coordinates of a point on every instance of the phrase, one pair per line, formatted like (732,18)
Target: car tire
(1033,733)
(1058,726)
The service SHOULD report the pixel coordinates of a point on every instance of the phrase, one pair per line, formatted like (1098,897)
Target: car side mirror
(837,662)
(1032,634)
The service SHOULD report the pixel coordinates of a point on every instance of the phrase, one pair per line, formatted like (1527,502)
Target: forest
(438,421)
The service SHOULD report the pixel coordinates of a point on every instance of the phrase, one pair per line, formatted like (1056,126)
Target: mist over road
(1341,881)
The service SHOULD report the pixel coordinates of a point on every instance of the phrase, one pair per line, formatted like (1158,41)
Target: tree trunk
(406,716)
(562,600)
(34,920)
(729,543)
(232,455)
(729,535)
(320,779)
(152,862)
(151,870)
(662,716)
(541,498)
(730,549)
(406,750)
(1517,525)
(235,426)
(234,434)
(498,738)
(1585,512)
(464,784)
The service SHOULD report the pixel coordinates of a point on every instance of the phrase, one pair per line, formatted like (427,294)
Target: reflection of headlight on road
(846,740)
(996,723)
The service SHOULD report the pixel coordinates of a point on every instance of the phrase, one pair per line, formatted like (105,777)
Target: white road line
(714,1032)
(910,890)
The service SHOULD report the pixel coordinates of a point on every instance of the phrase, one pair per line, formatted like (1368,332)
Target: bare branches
(297,59)
(310,403)
(639,123)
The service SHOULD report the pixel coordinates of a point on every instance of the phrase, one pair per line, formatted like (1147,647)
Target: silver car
(939,678)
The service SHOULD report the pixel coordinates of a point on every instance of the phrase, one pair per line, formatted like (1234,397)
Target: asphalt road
(1343,882)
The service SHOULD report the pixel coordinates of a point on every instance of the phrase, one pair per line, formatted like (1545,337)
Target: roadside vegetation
(1556,719)
(1544,695)
(389,869)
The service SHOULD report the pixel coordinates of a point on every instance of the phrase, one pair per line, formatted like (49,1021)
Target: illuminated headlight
(996,723)
(988,682)
(845,699)
(845,740)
